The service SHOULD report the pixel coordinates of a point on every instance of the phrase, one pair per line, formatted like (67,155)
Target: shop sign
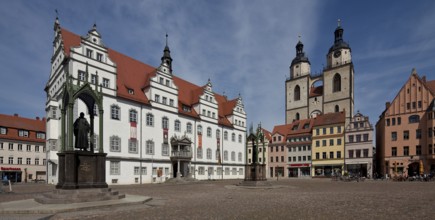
(10,168)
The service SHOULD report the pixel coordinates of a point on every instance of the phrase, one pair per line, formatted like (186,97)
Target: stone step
(77,196)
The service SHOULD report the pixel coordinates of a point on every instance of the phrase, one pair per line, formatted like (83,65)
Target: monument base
(78,195)
(81,170)
(255,172)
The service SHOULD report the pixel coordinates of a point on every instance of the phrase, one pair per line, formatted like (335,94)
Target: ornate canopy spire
(166,58)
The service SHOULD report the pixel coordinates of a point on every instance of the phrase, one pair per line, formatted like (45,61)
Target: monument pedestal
(255,175)
(81,170)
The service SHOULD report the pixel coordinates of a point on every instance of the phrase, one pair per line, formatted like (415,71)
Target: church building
(157,126)
(309,94)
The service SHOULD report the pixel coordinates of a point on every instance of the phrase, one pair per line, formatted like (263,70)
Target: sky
(243,46)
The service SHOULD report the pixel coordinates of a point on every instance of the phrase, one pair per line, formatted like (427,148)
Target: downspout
(140,145)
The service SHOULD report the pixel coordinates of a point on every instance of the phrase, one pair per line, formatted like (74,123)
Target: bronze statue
(81,130)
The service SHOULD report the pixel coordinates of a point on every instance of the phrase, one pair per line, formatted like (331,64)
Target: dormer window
(3,130)
(167,82)
(131,91)
(161,80)
(40,135)
(23,133)
(89,53)
(186,108)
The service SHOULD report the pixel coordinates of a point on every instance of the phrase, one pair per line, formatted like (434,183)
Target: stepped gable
(13,123)
(133,74)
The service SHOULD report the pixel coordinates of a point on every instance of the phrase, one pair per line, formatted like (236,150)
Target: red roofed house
(405,131)
(146,108)
(22,148)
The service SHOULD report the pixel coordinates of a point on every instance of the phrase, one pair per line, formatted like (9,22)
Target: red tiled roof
(133,74)
(301,129)
(14,123)
(316,91)
(282,129)
(267,134)
(330,118)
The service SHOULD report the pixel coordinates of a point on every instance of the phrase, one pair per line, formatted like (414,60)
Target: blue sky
(242,46)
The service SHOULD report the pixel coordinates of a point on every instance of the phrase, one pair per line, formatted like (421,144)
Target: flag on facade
(200,141)
(133,130)
(165,135)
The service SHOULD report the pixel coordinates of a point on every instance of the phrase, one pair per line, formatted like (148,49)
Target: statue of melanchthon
(81,130)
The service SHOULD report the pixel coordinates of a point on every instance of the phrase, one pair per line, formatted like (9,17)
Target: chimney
(37,118)
(16,115)
(387,105)
(424,79)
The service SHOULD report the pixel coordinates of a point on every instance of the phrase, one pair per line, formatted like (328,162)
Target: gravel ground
(293,199)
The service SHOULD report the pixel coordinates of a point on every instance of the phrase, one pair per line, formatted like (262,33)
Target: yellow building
(328,144)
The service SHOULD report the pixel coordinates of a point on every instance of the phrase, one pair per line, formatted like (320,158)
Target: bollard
(10,186)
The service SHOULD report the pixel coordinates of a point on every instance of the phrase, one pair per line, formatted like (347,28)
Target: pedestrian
(5,180)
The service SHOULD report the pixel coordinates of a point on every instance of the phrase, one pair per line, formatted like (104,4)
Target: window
(357,153)
(20,160)
(133,116)
(40,135)
(317,131)
(201,170)
(1,160)
(405,135)
(28,161)
(233,156)
(81,75)
(418,133)
(338,129)
(28,148)
(115,168)
(189,128)
(429,146)
(217,155)
(23,133)
(414,119)
(132,146)
(164,100)
(429,132)
(115,112)
(167,82)
(149,149)
(165,123)
(156,98)
(393,121)
(240,138)
(324,155)
(209,154)
(331,155)
(36,161)
(350,138)
(171,102)
(115,144)
(331,130)
(89,53)
(323,143)
(136,170)
(225,135)
(100,57)
(3,130)
(177,125)
(418,150)
(394,151)
(324,130)
(350,153)
(199,128)
(358,138)
(366,137)
(336,84)
(338,154)
(11,160)
(218,133)
(331,142)
(414,105)
(36,148)
(20,147)
(282,158)
(297,94)
(161,80)
(150,119)
(408,106)
(225,155)
(11,146)
(337,108)
(317,156)
(93,79)
(339,141)
(208,132)
(106,83)
(406,151)
(199,153)
(366,153)
(399,120)
(240,157)
(165,149)
(393,136)
(233,137)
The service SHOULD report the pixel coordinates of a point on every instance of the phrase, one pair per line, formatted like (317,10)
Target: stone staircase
(60,196)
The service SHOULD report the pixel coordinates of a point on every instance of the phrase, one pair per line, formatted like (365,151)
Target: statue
(81,130)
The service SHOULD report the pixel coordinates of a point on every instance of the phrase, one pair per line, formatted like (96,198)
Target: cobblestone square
(288,199)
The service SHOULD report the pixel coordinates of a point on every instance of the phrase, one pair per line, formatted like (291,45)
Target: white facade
(139,123)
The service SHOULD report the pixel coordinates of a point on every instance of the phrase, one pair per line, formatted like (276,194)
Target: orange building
(405,130)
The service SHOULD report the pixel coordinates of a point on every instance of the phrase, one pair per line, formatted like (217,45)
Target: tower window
(337,109)
(297,93)
(297,116)
(336,84)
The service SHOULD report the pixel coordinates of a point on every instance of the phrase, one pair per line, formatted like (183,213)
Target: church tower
(338,77)
(297,86)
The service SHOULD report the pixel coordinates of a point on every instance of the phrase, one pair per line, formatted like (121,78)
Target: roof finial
(339,22)
(166,38)
(299,37)
(95,26)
